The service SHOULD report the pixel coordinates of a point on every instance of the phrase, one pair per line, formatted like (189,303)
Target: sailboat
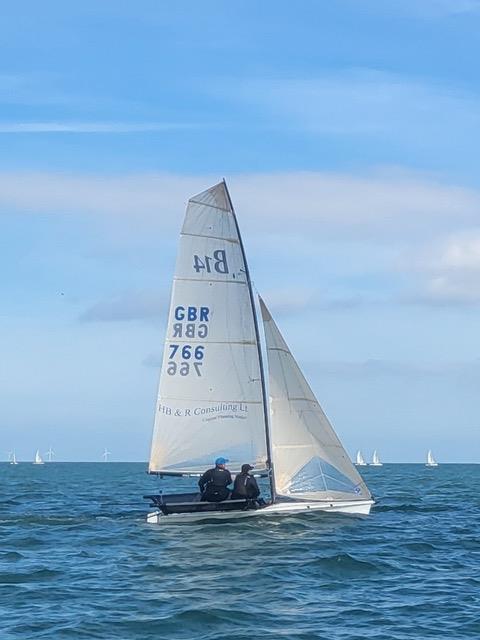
(50,454)
(230,387)
(13,458)
(360,462)
(38,458)
(376,460)
(431,462)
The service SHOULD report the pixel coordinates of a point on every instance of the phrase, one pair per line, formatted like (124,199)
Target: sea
(78,561)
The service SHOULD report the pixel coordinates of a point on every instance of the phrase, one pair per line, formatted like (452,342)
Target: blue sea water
(77,560)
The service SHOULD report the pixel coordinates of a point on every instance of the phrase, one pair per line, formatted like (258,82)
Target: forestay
(308,458)
(210,397)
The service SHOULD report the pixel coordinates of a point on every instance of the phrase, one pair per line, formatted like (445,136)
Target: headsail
(211,399)
(308,458)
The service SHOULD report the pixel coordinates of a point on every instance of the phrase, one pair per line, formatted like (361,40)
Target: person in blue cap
(214,482)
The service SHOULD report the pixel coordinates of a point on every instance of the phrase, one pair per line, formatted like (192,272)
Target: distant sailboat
(360,461)
(50,454)
(38,458)
(105,455)
(230,386)
(376,460)
(431,462)
(13,458)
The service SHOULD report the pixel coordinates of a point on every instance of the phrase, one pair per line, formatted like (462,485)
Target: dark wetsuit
(213,485)
(245,487)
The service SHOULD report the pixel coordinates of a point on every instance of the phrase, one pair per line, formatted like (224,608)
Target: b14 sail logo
(216,263)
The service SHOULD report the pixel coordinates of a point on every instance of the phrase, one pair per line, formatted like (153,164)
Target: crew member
(245,486)
(214,482)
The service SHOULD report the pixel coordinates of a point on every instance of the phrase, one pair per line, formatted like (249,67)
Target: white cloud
(347,227)
(449,269)
(387,202)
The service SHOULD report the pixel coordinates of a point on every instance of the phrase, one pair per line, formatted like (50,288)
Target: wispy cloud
(94,127)
(433,8)
(368,103)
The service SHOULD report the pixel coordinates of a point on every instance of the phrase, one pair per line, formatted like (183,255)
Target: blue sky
(348,133)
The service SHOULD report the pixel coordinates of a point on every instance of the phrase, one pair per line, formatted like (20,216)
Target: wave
(35,576)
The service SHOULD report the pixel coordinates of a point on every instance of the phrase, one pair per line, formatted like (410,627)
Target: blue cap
(221,461)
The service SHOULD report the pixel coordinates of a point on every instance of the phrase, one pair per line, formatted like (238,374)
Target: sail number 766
(191,359)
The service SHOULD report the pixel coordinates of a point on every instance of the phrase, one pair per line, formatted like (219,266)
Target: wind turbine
(105,455)
(50,454)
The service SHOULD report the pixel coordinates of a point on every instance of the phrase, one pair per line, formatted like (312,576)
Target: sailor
(214,482)
(245,486)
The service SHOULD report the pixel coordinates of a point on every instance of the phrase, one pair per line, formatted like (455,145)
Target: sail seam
(223,400)
(212,206)
(247,343)
(201,235)
(176,279)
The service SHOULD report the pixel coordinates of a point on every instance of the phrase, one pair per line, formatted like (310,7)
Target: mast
(259,350)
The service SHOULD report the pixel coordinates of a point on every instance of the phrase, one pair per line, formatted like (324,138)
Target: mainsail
(308,459)
(211,397)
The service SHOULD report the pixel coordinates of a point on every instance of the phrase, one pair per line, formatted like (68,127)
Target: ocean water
(77,560)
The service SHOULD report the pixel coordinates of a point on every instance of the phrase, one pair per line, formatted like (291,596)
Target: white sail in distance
(211,399)
(376,460)
(360,461)
(309,460)
(38,458)
(431,462)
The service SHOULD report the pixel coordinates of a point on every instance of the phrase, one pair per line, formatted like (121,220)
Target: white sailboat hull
(431,464)
(353,507)
(376,464)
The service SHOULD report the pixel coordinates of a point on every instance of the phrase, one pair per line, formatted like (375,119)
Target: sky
(348,133)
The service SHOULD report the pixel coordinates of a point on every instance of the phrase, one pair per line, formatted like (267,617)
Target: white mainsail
(360,461)
(211,393)
(376,460)
(13,458)
(431,462)
(38,458)
(308,459)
